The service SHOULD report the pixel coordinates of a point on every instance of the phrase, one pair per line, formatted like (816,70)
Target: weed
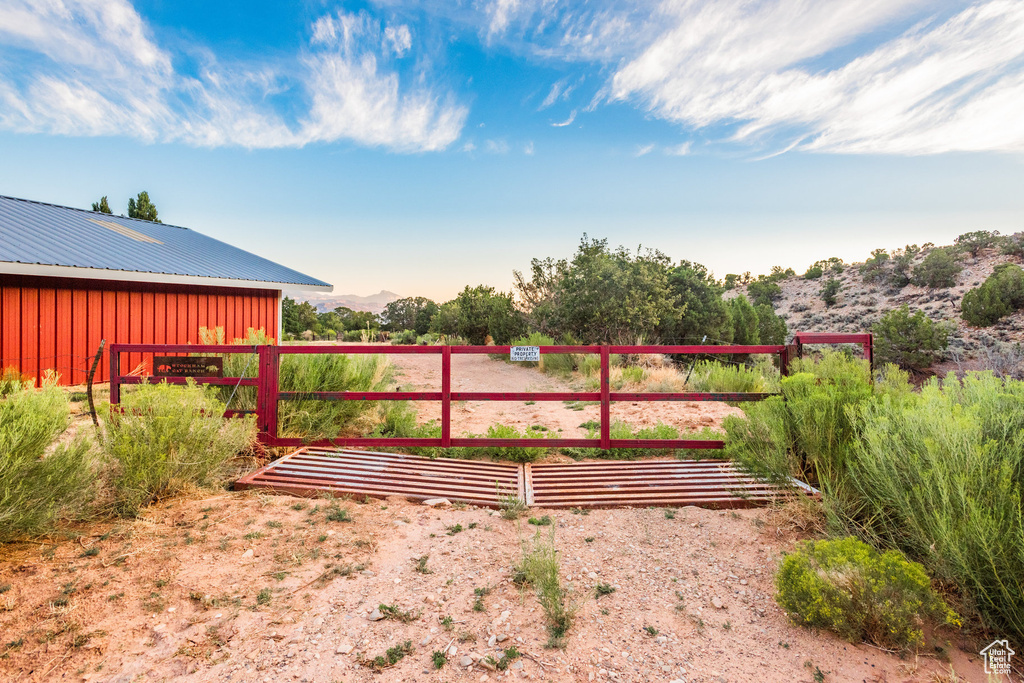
(540,566)
(512,506)
(264,597)
(274,524)
(466,637)
(154,604)
(507,657)
(421,565)
(447,622)
(395,613)
(321,538)
(589,539)
(478,605)
(651,631)
(391,656)
(543,521)
(603,589)
(727,626)
(579,511)
(439,658)
(454,529)
(253,535)
(472,525)
(784,645)
(4,588)
(335,513)
(280,576)
(670,513)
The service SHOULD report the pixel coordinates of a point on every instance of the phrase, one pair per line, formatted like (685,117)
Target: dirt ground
(243,586)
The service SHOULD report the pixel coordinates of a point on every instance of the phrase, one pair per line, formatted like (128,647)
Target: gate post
(262,373)
(446,396)
(115,374)
(606,427)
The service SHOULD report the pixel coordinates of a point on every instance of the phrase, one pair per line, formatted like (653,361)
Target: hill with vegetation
(931,280)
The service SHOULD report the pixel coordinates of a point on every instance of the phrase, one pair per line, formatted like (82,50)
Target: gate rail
(269,394)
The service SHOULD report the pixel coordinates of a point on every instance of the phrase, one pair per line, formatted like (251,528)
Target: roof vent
(125,231)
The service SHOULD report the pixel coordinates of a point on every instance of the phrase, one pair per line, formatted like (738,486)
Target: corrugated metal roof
(46,234)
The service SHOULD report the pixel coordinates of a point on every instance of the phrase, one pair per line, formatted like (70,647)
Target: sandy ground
(228,586)
(176,596)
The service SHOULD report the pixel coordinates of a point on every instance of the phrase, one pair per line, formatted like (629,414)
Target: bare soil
(242,586)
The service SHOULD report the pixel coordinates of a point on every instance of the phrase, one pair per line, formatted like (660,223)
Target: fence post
(273,386)
(262,373)
(115,375)
(446,396)
(606,427)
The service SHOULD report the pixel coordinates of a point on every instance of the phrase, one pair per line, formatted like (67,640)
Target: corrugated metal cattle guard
(704,483)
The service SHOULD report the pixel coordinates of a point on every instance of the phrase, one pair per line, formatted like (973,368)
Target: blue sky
(420,147)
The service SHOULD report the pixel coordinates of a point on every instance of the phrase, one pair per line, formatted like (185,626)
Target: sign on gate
(188,366)
(524,353)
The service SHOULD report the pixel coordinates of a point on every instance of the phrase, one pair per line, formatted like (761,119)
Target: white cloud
(98,71)
(528,149)
(679,150)
(643,150)
(568,121)
(940,86)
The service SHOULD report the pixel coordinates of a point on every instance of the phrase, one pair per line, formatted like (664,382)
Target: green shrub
(874,268)
(942,477)
(1001,294)
(912,342)
(850,588)
(311,419)
(513,453)
(764,291)
(939,269)
(937,474)
(830,291)
(974,242)
(713,376)
(39,483)
(404,337)
(167,438)
(832,266)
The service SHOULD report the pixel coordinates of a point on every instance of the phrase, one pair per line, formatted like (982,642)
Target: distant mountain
(374,303)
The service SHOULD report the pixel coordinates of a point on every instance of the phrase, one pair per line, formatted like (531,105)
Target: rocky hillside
(860,303)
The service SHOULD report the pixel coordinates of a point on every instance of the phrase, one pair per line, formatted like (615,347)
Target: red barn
(69,278)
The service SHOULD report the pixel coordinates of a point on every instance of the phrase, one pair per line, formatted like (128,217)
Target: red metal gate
(269,393)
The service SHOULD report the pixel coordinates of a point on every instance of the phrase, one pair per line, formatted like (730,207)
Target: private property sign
(524,353)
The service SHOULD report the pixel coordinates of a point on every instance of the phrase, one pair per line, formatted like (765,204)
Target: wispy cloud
(98,70)
(939,86)
(679,150)
(847,76)
(643,150)
(528,149)
(568,121)
(496,146)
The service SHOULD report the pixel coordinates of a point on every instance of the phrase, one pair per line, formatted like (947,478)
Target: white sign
(524,353)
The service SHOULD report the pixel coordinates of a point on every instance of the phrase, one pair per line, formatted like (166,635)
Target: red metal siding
(58,323)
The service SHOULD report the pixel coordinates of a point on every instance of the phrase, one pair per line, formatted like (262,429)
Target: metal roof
(114,247)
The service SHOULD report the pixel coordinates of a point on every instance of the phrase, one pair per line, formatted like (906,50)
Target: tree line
(600,295)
